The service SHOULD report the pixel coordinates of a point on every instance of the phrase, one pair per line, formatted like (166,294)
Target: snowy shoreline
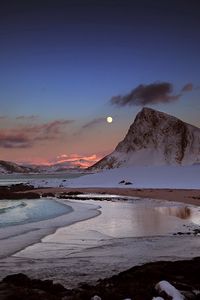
(83,253)
(18,237)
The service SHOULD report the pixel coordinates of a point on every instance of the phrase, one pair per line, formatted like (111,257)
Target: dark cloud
(188,87)
(158,92)
(94,123)
(27,136)
(9,140)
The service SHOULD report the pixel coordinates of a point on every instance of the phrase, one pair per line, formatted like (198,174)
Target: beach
(95,240)
(187,196)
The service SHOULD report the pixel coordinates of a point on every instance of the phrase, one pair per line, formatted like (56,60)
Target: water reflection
(130,219)
(179,212)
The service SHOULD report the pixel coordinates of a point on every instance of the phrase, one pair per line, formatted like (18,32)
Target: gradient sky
(62,61)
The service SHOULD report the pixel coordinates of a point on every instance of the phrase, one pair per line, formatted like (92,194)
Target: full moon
(109,119)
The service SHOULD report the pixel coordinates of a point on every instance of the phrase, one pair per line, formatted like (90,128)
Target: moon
(109,119)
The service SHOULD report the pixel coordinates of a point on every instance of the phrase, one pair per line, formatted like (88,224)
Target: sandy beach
(187,196)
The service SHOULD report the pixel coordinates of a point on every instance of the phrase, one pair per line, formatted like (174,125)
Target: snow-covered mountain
(7,167)
(155,138)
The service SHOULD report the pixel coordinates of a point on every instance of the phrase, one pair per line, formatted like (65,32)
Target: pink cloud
(27,136)
(76,160)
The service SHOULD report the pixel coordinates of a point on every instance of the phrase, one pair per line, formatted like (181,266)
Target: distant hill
(7,167)
(155,138)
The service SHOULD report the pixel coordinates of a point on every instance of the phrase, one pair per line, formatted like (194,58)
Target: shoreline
(187,196)
(96,253)
(99,258)
(19,237)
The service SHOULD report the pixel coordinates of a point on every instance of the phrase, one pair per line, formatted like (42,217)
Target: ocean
(15,212)
(8,179)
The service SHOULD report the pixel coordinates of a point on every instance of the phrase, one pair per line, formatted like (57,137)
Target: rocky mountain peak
(155,138)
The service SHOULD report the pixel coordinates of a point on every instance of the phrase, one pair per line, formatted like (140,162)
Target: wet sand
(178,195)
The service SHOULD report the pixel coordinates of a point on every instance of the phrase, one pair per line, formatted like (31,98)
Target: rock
(122,181)
(48,194)
(155,138)
(125,182)
(136,283)
(128,183)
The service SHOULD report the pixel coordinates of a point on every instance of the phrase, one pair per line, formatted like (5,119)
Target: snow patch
(170,290)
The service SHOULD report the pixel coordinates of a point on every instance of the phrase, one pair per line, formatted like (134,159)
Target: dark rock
(125,182)
(48,194)
(17,191)
(19,279)
(128,183)
(75,193)
(136,283)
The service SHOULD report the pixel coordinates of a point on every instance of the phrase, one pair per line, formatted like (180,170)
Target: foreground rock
(138,283)
(18,191)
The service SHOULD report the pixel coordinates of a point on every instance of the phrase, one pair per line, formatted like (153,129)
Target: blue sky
(67,59)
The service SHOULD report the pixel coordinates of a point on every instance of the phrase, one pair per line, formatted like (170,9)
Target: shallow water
(134,218)
(16,212)
(125,234)
(119,219)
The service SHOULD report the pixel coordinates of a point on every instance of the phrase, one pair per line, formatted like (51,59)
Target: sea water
(8,179)
(15,212)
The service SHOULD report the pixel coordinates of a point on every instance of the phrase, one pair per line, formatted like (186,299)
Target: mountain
(155,138)
(7,167)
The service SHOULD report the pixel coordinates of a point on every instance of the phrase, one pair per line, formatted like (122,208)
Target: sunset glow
(69,70)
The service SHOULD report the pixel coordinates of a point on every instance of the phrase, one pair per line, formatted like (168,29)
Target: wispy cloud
(27,136)
(158,92)
(93,123)
(16,140)
(27,118)
(188,87)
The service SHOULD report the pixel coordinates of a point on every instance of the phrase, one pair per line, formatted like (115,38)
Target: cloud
(158,92)
(27,136)
(188,87)
(9,140)
(3,117)
(75,160)
(27,118)
(93,123)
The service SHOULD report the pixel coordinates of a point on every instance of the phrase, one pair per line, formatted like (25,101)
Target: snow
(17,237)
(170,290)
(177,177)
(155,138)
(96,298)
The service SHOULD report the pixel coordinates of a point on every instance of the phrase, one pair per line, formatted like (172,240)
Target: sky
(66,65)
